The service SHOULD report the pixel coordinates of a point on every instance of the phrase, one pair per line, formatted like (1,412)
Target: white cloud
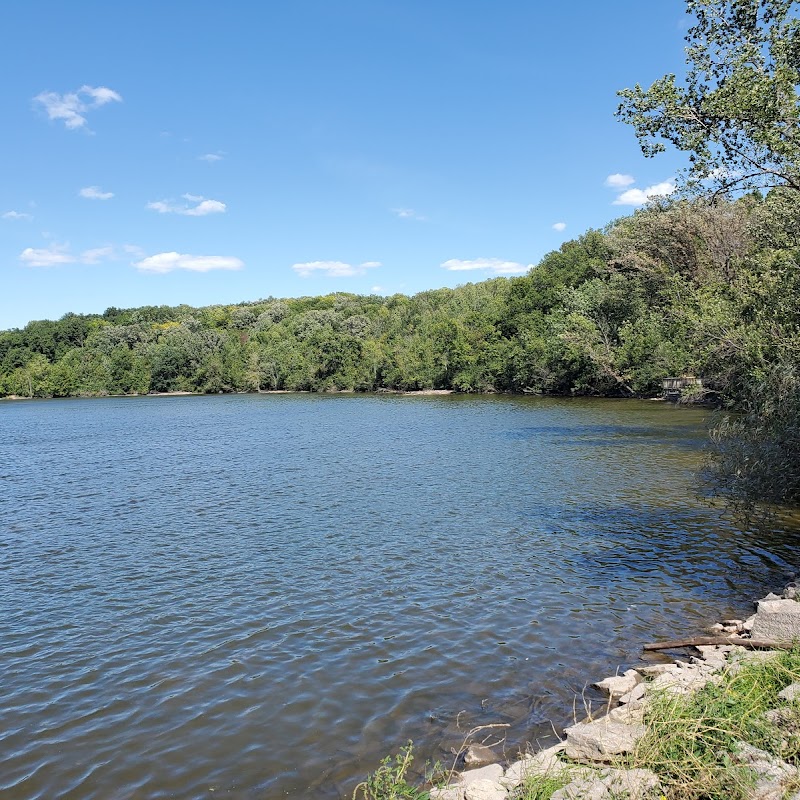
(101,95)
(202,206)
(333,269)
(72,106)
(59,253)
(97,254)
(47,256)
(17,215)
(638,197)
(408,213)
(494,265)
(619,181)
(210,157)
(376,290)
(559,226)
(95,193)
(162,263)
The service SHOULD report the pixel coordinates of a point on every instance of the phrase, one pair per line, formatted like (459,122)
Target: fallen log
(698,641)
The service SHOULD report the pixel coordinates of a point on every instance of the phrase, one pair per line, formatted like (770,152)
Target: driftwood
(698,641)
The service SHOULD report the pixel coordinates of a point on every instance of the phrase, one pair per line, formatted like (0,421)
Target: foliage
(738,112)
(389,781)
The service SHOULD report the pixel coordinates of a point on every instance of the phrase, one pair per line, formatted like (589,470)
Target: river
(259,596)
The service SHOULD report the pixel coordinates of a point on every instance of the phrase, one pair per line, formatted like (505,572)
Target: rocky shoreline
(592,762)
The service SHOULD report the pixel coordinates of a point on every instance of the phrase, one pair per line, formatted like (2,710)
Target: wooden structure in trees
(673,387)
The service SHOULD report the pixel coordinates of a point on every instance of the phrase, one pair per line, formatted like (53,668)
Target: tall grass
(691,740)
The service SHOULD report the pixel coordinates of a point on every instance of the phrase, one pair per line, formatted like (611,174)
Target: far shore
(399,392)
(260,391)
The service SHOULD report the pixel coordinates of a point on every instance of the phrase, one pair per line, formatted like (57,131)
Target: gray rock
(715,661)
(543,763)
(651,670)
(730,629)
(479,754)
(491,773)
(635,695)
(771,773)
(447,793)
(627,715)
(744,657)
(770,596)
(619,685)
(582,789)
(747,625)
(485,790)
(778,620)
(605,738)
(775,716)
(685,680)
(612,784)
(790,693)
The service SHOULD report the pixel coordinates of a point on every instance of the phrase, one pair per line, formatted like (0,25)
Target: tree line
(680,287)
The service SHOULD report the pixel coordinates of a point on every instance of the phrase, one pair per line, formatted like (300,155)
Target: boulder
(485,790)
(683,681)
(492,773)
(771,773)
(790,693)
(546,762)
(447,793)
(603,739)
(619,685)
(479,754)
(714,660)
(651,670)
(777,620)
(612,784)
(634,696)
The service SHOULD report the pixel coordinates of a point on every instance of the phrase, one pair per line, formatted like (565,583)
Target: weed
(389,782)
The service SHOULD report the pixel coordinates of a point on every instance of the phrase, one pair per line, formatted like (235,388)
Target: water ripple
(258,596)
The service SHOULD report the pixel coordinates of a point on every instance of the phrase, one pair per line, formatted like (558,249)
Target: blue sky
(201,152)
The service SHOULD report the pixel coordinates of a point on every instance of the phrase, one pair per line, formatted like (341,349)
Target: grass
(390,780)
(541,787)
(691,739)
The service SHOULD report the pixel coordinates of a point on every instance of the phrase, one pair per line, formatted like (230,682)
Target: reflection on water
(259,596)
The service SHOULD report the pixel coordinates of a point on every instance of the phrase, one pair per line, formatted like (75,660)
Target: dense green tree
(737,114)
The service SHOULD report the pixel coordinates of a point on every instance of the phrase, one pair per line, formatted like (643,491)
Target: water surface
(259,596)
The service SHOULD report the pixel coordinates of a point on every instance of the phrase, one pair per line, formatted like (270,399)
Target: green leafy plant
(389,781)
